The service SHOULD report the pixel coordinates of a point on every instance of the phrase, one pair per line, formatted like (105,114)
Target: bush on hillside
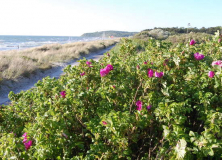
(155,33)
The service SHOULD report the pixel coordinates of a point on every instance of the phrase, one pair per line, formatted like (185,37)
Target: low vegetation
(143,100)
(17,63)
(182,38)
(155,33)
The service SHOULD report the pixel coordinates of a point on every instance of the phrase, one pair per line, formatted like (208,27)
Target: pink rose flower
(28,145)
(192,42)
(211,74)
(138,67)
(88,63)
(139,105)
(109,67)
(149,107)
(150,73)
(104,122)
(24,135)
(106,70)
(216,63)
(63,94)
(198,56)
(82,74)
(159,75)
(103,72)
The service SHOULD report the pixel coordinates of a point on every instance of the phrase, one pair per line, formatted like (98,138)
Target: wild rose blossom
(219,40)
(149,107)
(103,72)
(24,135)
(211,74)
(88,63)
(109,67)
(104,122)
(198,56)
(150,72)
(24,140)
(106,70)
(216,63)
(138,67)
(63,94)
(159,74)
(139,105)
(28,145)
(82,74)
(192,42)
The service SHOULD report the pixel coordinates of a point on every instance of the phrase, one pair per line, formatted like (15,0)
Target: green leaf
(181,148)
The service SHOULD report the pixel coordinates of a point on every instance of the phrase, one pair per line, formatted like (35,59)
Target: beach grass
(23,63)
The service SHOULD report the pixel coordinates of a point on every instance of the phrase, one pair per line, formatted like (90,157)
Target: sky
(75,17)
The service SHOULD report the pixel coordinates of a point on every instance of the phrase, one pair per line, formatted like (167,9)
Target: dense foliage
(143,100)
(180,30)
(109,33)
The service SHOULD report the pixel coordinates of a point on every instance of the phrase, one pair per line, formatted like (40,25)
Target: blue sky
(75,17)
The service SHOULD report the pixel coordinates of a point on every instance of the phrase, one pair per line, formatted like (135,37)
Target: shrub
(130,113)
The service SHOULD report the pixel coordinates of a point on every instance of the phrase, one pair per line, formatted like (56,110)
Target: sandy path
(27,83)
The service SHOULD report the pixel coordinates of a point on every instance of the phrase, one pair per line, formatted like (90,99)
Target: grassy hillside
(109,33)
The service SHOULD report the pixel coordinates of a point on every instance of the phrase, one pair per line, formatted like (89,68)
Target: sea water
(21,42)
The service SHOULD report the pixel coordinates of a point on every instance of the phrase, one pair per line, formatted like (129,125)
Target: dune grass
(22,63)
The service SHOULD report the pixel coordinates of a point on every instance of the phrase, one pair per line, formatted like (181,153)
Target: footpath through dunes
(22,82)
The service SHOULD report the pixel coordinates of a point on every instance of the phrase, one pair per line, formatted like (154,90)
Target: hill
(109,33)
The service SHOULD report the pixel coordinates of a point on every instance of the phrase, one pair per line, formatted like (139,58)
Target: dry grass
(17,63)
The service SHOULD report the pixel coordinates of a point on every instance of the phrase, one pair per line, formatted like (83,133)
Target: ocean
(22,42)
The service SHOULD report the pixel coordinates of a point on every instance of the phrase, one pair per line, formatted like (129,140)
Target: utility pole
(188,25)
(187,30)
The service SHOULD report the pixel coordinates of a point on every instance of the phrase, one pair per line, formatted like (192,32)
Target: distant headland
(109,34)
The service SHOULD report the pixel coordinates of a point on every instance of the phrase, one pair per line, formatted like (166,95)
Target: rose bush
(100,115)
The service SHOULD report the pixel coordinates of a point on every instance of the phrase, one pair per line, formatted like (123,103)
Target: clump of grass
(21,63)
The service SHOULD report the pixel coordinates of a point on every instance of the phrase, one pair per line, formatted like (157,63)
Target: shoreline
(25,83)
(37,41)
